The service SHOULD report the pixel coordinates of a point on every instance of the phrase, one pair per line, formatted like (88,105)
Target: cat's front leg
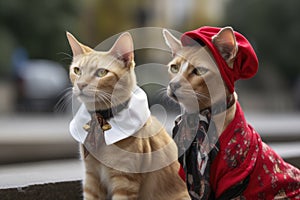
(124,196)
(92,188)
(125,187)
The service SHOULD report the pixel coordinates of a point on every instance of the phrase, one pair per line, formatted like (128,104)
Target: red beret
(245,64)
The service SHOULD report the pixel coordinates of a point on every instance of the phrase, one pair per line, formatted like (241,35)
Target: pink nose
(81,85)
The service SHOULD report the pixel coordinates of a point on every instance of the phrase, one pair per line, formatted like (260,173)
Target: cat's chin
(91,103)
(94,106)
(189,106)
(86,99)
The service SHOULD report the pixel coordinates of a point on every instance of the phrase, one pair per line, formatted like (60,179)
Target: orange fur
(206,89)
(158,148)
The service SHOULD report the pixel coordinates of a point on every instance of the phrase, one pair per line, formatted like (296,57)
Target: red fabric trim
(182,173)
(222,172)
(243,153)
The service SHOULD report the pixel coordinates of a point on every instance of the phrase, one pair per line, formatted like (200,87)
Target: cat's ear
(225,42)
(173,43)
(77,47)
(123,49)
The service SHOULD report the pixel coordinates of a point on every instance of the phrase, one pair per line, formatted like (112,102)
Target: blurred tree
(275,25)
(102,19)
(37,26)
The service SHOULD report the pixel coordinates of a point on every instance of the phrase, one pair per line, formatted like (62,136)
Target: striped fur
(106,182)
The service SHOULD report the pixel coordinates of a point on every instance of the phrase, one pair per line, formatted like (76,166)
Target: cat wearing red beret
(222,156)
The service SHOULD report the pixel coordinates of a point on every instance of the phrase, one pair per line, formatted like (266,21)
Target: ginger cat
(206,63)
(142,165)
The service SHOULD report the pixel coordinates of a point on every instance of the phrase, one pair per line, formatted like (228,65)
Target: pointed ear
(173,43)
(77,47)
(225,42)
(123,48)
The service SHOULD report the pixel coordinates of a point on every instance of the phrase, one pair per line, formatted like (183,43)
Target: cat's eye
(174,68)
(101,72)
(199,71)
(77,70)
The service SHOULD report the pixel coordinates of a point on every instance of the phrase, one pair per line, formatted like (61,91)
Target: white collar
(124,124)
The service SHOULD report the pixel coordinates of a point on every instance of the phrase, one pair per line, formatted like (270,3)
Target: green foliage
(36,25)
(273,27)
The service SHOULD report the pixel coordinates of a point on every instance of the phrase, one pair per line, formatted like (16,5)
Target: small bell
(106,127)
(86,127)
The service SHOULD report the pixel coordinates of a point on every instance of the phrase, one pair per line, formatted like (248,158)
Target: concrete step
(47,180)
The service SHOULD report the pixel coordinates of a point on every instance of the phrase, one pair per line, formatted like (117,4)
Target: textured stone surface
(52,191)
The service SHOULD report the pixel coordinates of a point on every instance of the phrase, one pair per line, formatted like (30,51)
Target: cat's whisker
(104,99)
(165,98)
(202,96)
(68,56)
(188,93)
(112,98)
(107,100)
(64,101)
(162,91)
(117,101)
(163,94)
(63,105)
(66,91)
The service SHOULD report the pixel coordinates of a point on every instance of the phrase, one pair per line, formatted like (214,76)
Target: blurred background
(34,46)
(35,107)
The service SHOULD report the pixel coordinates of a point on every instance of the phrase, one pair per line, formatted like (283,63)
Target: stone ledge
(51,191)
(47,180)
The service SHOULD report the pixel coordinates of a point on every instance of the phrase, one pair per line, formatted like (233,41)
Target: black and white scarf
(197,150)
(197,140)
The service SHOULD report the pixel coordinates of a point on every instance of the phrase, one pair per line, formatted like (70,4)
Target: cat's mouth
(172,95)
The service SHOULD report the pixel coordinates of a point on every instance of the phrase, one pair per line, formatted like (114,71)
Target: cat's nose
(174,86)
(81,85)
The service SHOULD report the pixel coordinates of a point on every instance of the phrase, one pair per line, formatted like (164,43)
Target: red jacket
(242,154)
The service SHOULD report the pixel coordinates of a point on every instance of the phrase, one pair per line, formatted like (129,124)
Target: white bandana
(124,124)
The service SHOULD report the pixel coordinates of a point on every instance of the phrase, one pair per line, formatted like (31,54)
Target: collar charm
(102,122)
(128,119)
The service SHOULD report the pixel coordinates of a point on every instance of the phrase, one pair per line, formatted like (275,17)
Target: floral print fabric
(242,154)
